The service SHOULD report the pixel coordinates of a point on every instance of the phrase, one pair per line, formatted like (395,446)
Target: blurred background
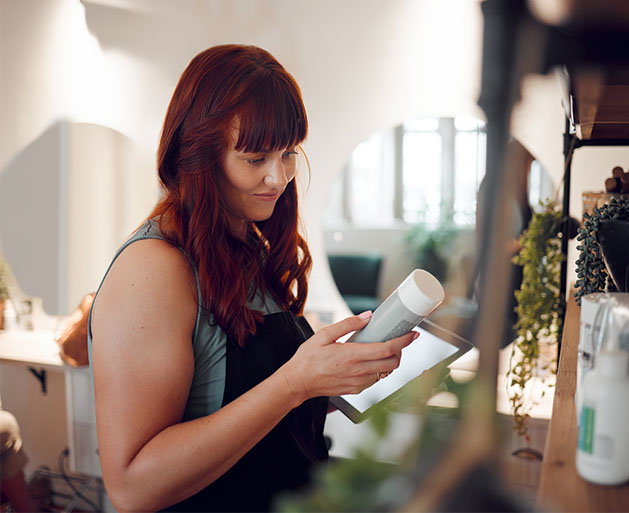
(391,89)
(397,151)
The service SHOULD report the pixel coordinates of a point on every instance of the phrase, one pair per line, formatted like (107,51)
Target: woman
(210,387)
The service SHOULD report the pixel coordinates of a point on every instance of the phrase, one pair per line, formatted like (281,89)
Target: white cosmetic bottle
(603,445)
(414,299)
(10,316)
(590,304)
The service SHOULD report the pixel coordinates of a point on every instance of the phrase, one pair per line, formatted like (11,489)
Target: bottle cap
(612,363)
(421,292)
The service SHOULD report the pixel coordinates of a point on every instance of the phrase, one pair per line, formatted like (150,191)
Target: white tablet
(435,349)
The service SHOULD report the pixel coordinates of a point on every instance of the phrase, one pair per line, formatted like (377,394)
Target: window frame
(446,129)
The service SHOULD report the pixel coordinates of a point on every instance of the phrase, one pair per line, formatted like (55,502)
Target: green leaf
(539,304)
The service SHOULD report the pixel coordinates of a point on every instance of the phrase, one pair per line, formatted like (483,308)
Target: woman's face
(252,183)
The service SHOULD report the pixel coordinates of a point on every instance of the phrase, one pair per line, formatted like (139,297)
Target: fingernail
(415,335)
(366,314)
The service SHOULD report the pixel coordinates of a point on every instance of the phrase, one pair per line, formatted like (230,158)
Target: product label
(390,320)
(401,328)
(598,444)
(603,447)
(586,430)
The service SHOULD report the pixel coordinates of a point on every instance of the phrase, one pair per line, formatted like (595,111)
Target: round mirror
(407,199)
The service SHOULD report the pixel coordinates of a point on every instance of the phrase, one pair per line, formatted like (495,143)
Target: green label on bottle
(586,430)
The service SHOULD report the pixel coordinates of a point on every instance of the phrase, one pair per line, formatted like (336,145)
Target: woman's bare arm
(142,326)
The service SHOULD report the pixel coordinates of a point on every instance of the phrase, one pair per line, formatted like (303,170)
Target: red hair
(219,84)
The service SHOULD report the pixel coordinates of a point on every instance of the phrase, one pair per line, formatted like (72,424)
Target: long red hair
(219,84)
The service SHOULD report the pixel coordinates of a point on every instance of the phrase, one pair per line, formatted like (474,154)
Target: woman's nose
(279,174)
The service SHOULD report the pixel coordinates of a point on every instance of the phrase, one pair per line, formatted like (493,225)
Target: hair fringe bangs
(272,118)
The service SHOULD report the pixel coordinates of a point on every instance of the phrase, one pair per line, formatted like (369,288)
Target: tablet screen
(435,346)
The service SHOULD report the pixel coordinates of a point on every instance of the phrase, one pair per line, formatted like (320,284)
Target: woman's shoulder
(156,259)
(150,262)
(147,246)
(150,280)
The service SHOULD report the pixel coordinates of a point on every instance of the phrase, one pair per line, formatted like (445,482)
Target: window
(427,170)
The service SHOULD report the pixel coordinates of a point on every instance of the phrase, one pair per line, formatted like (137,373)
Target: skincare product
(603,445)
(589,306)
(414,299)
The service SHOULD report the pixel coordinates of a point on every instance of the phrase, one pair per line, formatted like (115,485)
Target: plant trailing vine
(592,275)
(540,306)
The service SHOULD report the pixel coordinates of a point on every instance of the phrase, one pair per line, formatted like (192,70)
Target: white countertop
(31,347)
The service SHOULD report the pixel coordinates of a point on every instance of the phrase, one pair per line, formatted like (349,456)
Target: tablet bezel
(462,345)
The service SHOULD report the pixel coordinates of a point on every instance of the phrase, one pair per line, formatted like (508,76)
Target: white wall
(69,198)
(362,65)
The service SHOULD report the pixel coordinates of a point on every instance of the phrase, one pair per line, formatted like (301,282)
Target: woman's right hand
(323,366)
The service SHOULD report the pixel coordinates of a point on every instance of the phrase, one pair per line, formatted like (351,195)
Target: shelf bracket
(41,377)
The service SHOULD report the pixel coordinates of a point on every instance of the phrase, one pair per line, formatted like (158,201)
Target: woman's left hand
(323,366)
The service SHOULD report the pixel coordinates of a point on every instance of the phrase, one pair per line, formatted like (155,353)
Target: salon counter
(51,400)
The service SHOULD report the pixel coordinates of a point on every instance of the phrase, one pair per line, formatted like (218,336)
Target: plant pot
(613,238)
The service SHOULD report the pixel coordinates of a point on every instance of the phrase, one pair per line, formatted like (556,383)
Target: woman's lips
(268,196)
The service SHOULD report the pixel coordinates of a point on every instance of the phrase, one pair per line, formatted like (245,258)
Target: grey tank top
(208,341)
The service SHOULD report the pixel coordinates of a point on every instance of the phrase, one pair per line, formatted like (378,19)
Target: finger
(335,331)
(369,380)
(381,367)
(369,368)
(381,350)
(404,340)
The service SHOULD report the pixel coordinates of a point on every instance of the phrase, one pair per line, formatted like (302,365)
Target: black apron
(283,460)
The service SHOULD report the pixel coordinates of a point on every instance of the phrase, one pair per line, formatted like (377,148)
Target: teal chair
(356,276)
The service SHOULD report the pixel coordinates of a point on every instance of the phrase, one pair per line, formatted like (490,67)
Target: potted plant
(540,307)
(593,275)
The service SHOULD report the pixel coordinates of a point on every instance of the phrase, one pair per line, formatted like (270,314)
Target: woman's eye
(288,154)
(255,162)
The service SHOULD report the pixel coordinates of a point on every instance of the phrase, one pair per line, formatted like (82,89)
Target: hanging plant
(540,307)
(592,275)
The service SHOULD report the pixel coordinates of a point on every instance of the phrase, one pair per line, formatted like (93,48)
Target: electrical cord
(62,457)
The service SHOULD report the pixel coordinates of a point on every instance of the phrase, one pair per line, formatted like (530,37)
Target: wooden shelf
(561,488)
(600,104)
